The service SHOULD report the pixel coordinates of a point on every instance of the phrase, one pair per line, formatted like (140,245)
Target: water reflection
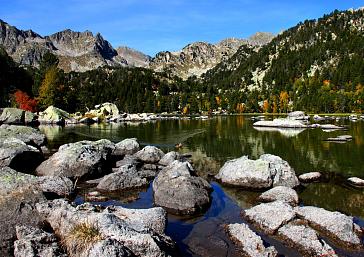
(287,132)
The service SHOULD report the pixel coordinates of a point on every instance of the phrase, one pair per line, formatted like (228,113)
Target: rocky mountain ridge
(82,51)
(199,57)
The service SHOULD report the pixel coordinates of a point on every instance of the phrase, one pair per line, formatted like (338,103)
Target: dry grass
(81,237)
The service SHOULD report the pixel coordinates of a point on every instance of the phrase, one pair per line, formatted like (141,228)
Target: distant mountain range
(82,51)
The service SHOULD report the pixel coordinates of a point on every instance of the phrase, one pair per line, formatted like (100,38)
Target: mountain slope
(326,47)
(199,57)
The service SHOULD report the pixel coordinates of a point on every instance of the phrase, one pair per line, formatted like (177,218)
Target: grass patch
(81,237)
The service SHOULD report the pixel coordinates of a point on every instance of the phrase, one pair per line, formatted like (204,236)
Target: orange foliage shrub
(25,102)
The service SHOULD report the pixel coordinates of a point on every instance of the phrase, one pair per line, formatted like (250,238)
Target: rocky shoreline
(46,221)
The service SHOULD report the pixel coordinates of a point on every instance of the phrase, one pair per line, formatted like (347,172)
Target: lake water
(212,142)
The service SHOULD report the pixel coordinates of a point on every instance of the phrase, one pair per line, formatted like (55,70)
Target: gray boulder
(107,248)
(127,146)
(250,243)
(178,190)
(149,154)
(28,135)
(128,160)
(53,115)
(12,116)
(18,155)
(80,159)
(309,177)
(122,229)
(269,217)
(168,158)
(60,186)
(33,242)
(305,239)
(125,177)
(281,193)
(18,196)
(334,224)
(265,172)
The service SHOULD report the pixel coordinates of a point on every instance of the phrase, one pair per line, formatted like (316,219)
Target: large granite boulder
(105,110)
(17,155)
(53,115)
(28,135)
(269,217)
(16,116)
(305,240)
(76,160)
(131,229)
(281,193)
(335,225)
(18,196)
(179,190)
(265,172)
(34,242)
(127,146)
(149,154)
(169,157)
(280,123)
(250,243)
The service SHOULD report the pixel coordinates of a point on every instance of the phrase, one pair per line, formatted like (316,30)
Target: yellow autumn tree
(47,90)
(283,101)
(265,106)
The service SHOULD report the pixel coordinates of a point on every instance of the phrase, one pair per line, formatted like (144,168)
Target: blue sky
(156,25)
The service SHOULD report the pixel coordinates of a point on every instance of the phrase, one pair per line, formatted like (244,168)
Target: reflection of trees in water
(335,198)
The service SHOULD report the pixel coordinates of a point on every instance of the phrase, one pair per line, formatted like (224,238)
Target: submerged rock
(305,239)
(80,159)
(150,154)
(309,177)
(18,155)
(281,193)
(34,242)
(177,189)
(28,135)
(265,172)
(116,224)
(269,217)
(127,146)
(335,224)
(251,244)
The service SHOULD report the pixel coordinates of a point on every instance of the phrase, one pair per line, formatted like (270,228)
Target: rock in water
(127,146)
(305,239)
(126,177)
(80,159)
(33,242)
(309,177)
(335,224)
(168,158)
(265,172)
(250,243)
(28,135)
(17,155)
(270,216)
(281,193)
(178,190)
(104,111)
(53,115)
(119,227)
(356,181)
(150,154)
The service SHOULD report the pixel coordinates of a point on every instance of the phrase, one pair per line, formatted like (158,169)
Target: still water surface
(212,142)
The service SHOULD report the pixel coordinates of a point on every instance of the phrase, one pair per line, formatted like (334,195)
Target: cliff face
(197,58)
